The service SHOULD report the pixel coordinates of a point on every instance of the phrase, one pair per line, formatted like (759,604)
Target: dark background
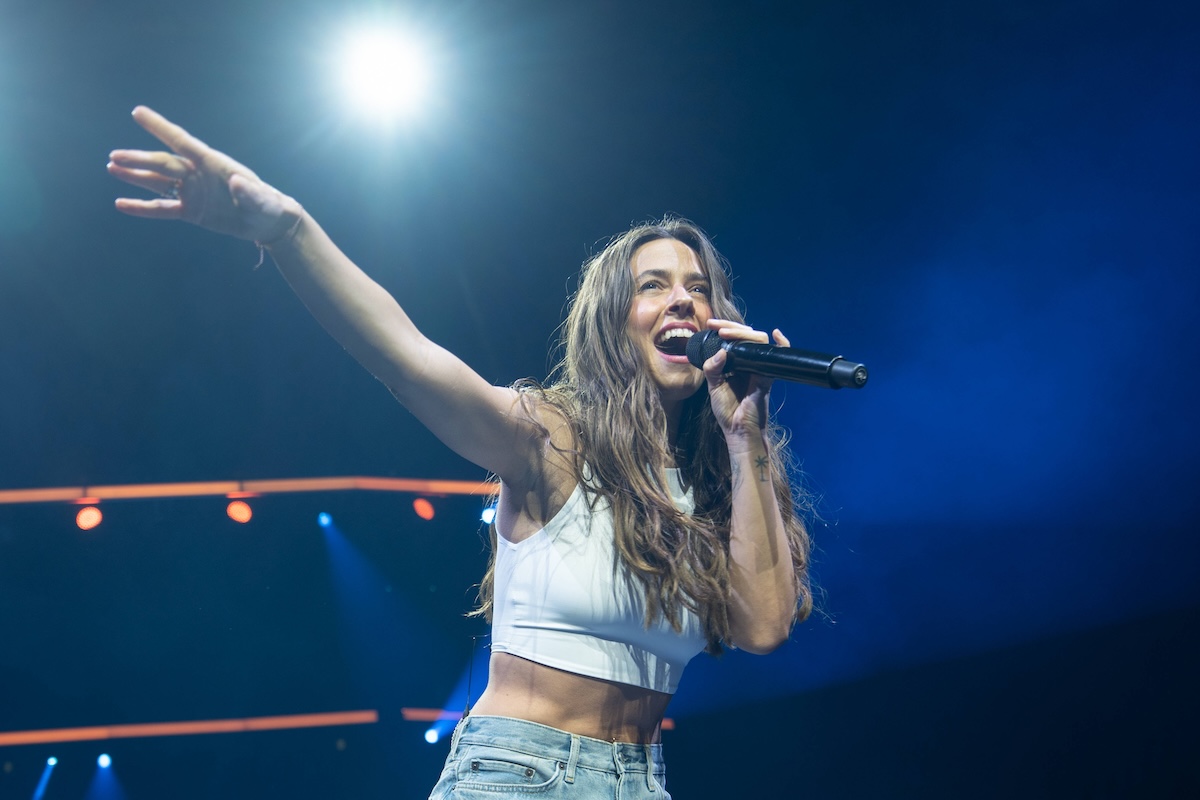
(993,205)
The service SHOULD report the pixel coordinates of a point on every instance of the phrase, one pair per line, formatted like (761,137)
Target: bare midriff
(614,712)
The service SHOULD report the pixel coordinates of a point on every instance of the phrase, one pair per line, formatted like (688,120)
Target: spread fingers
(161,208)
(146,179)
(169,133)
(171,166)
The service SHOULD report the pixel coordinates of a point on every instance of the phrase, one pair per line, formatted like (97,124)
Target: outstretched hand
(739,401)
(200,185)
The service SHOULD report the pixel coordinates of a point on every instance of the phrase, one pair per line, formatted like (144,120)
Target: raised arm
(198,184)
(763,584)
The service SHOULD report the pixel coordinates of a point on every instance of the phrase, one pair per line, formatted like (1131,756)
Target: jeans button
(528,772)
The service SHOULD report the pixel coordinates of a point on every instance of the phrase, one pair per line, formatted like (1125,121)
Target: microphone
(788,363)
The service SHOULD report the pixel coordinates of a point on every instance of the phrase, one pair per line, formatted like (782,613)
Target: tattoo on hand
(761,463)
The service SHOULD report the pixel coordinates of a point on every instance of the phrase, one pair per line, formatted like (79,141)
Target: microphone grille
(702,347)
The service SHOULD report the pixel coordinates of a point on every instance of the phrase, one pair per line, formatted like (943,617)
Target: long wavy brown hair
(603,388)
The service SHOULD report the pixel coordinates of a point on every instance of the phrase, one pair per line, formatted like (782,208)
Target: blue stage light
(432,735)
(104,761)
(47,771)
(324,520)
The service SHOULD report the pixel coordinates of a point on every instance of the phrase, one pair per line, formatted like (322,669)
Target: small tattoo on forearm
(761,463)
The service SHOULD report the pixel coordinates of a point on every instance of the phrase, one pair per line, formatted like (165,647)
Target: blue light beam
(470,685)
(104,785)
(45,780)
(382,637)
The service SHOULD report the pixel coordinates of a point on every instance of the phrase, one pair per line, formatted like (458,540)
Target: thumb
(714,368)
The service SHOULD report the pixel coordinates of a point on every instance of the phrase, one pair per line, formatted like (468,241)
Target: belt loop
(649,767)
(573,761)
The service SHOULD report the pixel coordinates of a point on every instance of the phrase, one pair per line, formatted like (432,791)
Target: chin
(680,388)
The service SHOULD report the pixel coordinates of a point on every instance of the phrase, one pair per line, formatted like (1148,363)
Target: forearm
(469,415)
(353,308)
(763,584)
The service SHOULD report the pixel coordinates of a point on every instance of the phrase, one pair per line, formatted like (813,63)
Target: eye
(702,289)
(647,285)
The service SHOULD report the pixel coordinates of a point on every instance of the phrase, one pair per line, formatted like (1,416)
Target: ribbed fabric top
(559,602)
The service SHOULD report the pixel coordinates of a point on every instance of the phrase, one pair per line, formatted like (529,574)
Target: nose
(680,300)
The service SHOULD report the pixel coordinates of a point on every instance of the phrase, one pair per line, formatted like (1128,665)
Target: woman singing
(644,509)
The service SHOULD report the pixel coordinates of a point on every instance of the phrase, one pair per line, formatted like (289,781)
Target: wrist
(288,224)
(748,444)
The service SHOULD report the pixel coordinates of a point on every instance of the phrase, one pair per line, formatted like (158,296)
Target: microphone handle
(788,363)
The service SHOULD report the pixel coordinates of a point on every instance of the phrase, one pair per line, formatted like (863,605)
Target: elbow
(763,627)
(764,639)
(763,646)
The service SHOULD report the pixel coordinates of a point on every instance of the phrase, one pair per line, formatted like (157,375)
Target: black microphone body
(787,363)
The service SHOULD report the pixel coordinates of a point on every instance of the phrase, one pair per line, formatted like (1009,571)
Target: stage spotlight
(385,74)
(239,511)
(104,761)
(324,520)
(47,771)
(489,515)
(88,518)
(432,735)
(424,508)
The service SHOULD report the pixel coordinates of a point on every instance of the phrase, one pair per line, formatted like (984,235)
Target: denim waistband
(571,749)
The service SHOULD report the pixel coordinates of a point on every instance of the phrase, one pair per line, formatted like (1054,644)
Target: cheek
(640,318)
(631,324)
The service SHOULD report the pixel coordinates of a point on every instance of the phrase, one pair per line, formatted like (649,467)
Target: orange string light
(239,511)
(424,508)
(88,517)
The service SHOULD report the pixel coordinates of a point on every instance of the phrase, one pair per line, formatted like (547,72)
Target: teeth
(676,333)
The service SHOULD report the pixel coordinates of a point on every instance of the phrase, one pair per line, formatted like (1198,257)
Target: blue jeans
(503,757)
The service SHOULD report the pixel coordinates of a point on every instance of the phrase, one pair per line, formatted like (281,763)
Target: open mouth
(673,342)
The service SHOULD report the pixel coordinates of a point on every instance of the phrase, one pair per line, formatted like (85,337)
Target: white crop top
(558,602)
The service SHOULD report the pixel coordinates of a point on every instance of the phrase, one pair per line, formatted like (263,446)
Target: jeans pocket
(495,770)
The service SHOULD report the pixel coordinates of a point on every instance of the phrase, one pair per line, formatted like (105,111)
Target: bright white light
(489,515)
(431,736)
(104,761)
(385,75)
(51,761)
